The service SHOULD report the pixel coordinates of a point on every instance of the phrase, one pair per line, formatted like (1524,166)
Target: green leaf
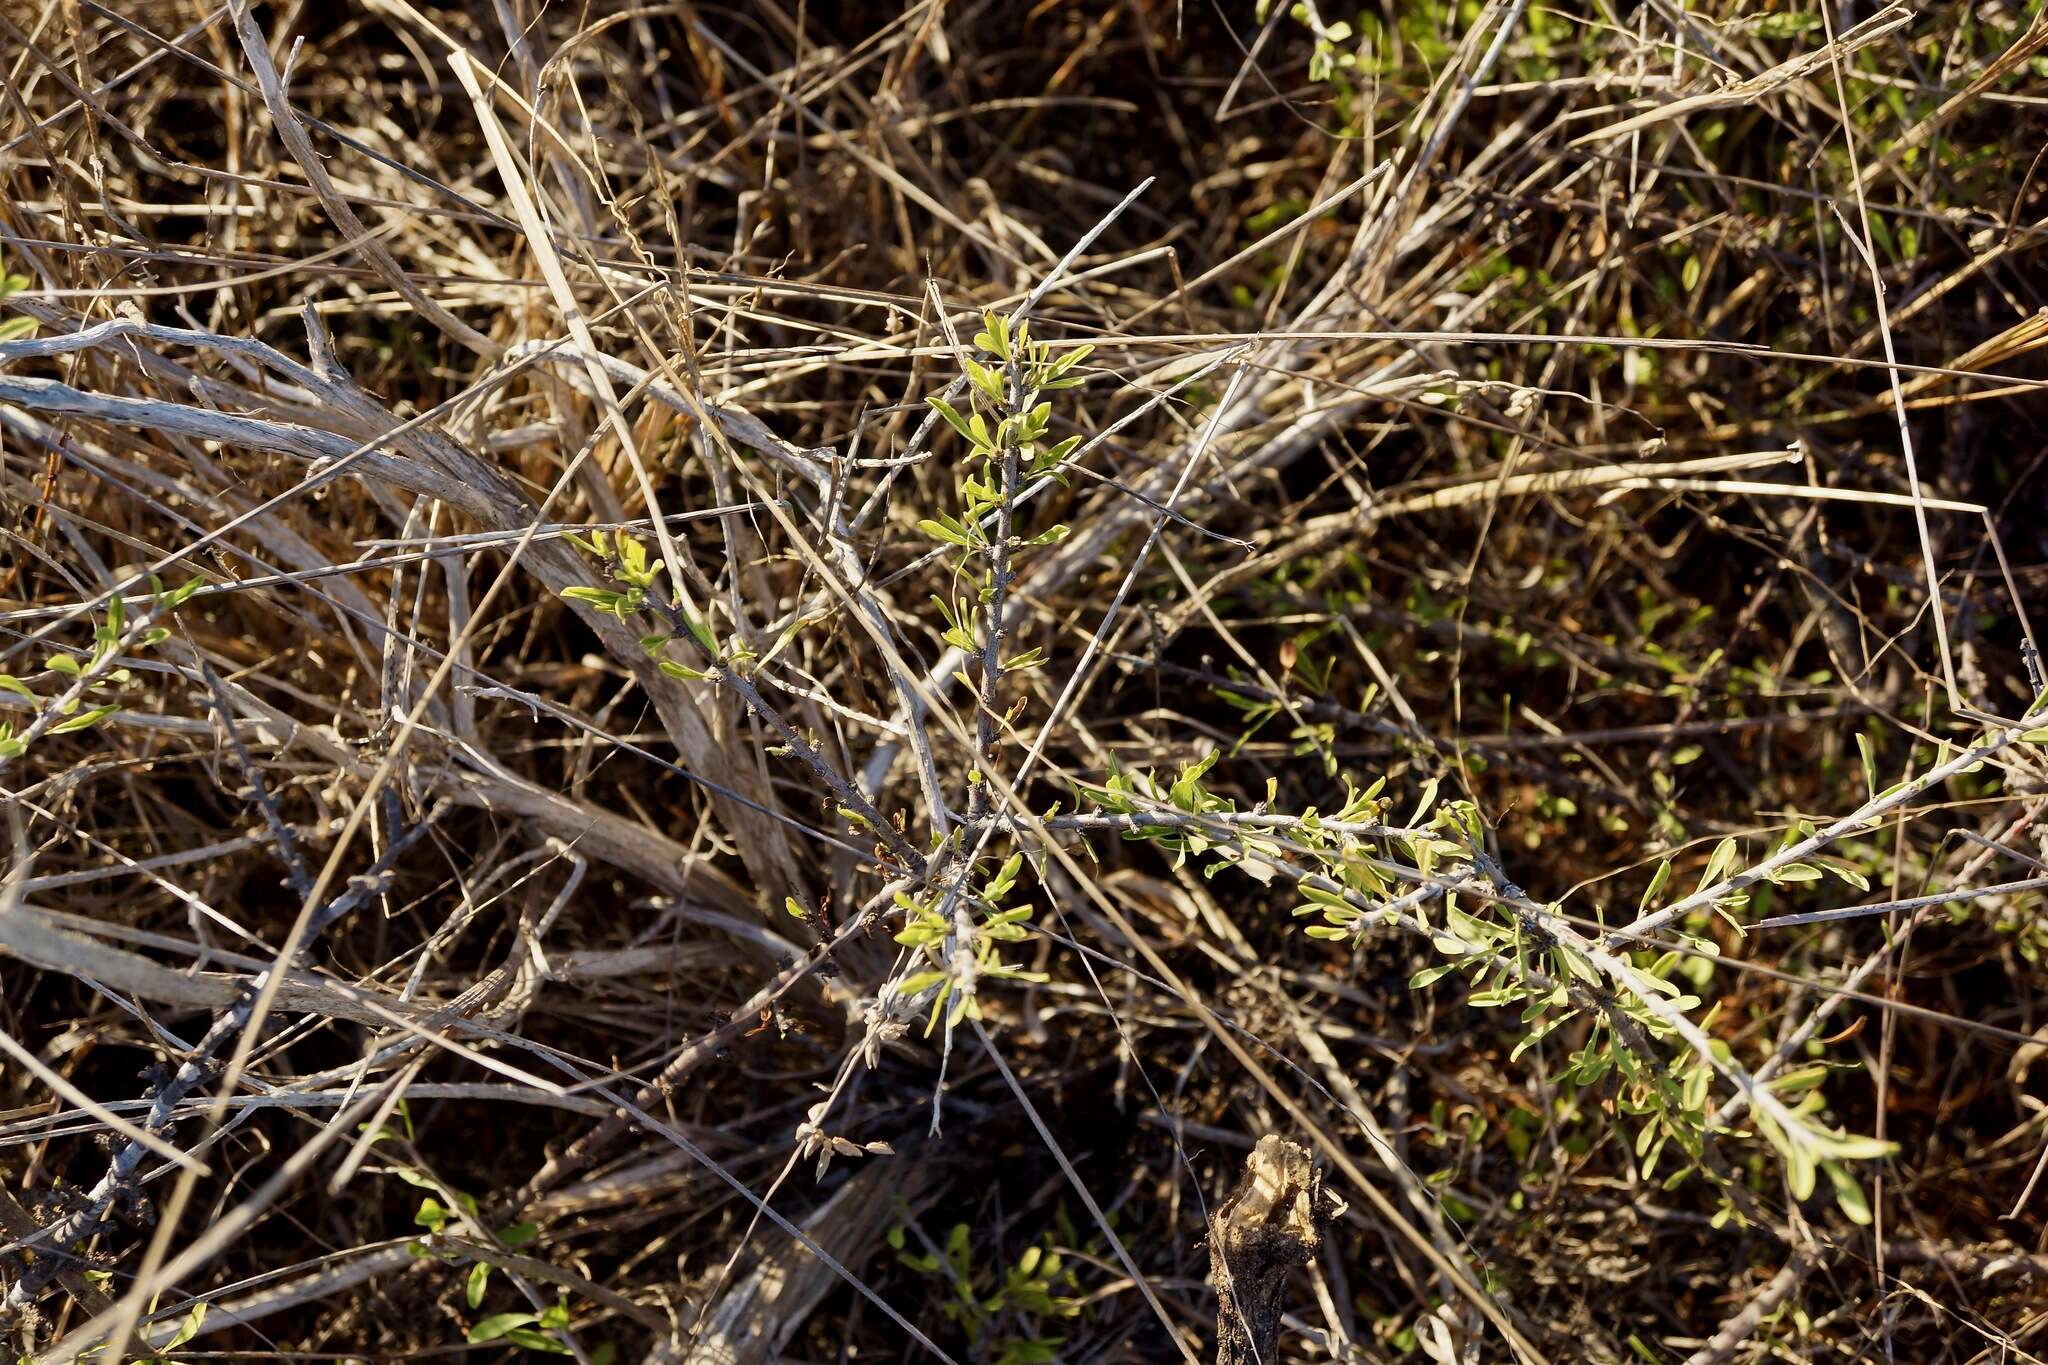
(951,414)
(187,1329)
(10,683)
(83,721)
(500,1324)
(701,633)
(175,598)
(676,670)
(940,531)
(994,336)
(604,599)
(1722,859)
(479,1281)
(1848,874)
(988,381)
(1848,1194)
(519,1234)
(1059,368)
(62,663)
(1429,790)
(1845,1147)
(432,1215)
(1657,880)
(534,1341)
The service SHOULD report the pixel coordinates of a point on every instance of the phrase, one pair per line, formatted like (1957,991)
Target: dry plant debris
(760,682)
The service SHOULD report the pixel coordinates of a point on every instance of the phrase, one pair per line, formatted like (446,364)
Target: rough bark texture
(1270,1224)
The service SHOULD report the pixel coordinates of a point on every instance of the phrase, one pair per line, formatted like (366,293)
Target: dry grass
(1617,431)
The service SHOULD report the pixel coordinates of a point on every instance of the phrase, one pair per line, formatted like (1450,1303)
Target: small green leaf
(175,598)
(432,1215)
(604,599)
(951,414)
(1848,1194)
(1657,881)
(988,381)
(498,1325)
(479,1281)
(84,720)
(534,1341)
(994,336)
(701,633)
(1869,761)
(187,1329)
(939,531)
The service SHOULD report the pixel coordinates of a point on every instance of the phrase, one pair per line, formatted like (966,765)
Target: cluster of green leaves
(630,566)
(1308,662)
(1356,869)
(1334,61)
(1007,425)
(103,682)
(982,1304)
(1007,412)
(1654,1080)
(435,1219)
(627,561)
(959,632)
(1658,1085)
(1136,792)
(926,925)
